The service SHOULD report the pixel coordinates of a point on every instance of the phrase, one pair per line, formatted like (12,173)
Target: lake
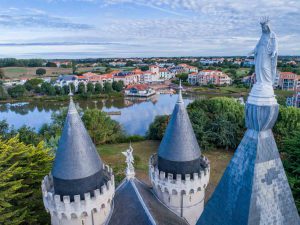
(135,114)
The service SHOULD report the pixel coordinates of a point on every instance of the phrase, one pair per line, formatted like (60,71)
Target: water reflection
(136,114)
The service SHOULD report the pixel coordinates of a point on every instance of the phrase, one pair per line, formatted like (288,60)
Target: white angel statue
(129,160)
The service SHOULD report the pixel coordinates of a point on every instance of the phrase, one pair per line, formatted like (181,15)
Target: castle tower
(80,188)
(179,173)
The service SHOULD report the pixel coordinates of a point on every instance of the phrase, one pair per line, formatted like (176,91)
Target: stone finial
(70,91)
(180,100)
(129,160)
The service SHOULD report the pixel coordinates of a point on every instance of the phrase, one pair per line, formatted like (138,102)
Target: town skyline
(123,28)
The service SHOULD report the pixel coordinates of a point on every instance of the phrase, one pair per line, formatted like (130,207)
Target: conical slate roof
(179,152)
(77,167)
(254,188)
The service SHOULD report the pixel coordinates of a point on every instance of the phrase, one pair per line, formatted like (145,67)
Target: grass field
(29,72)
(241,72)
(111,154)
(228,91)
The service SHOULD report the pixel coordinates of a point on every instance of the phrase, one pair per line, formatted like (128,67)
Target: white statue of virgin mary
(265,55)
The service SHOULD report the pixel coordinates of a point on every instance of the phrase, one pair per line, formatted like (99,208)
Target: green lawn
(15,70)
(111,154)
(220,91)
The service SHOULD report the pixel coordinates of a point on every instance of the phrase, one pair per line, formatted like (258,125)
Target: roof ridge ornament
(180,99)
(130,161)
(70,91)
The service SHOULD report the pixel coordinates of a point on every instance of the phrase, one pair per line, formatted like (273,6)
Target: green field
(111,154)
(220,91)
(29,72)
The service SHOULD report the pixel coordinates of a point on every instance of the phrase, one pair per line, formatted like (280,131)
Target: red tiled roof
(289,75)
(139,87)
(89,74)
(163,70)
(137,71)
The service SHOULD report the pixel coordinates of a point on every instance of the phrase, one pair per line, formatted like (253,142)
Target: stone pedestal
(254,189)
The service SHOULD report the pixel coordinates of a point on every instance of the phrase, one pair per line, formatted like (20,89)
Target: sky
(143,28)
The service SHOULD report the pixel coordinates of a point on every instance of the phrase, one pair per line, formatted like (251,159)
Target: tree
(117,85)
(223,133)
(158,127)
(183,77)
(66,89)
(144,68)
(2,75)
(74,67)
(107,87)
(101,127)
(28,135)
(48,89)
(51,64)
(32,84)
(288,121)
(290,156)
(40,71)
(98,88)
(4,128)
(90,88)
(108,70)
(59,90)
(22,167)
(3,93)
(16,91)
(81,88)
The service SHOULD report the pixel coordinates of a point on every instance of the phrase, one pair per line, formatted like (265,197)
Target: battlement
(184,196)
(171,184)
(65,208)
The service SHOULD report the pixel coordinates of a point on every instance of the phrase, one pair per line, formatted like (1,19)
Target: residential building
(117,64)
(102,79)
(193,78)
(154,69)
(165,74)
(188,68)
(63,80)
(149,77)
(210,61)
(289,81)
(177,70)
(206,77)
(249,80)
(62,63)
(139,90)
(128,77)
(249,63)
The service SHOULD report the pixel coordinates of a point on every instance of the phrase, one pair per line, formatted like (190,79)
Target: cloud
(152,28)
(35,18)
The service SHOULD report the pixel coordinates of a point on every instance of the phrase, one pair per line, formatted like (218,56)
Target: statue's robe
(265,65)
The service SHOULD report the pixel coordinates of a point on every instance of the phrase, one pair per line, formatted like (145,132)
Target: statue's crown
(264,20)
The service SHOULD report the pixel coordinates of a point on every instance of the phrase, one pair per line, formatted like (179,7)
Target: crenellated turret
(179,173)
(80,188)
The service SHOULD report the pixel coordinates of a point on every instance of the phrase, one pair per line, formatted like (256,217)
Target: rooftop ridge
(142,202)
